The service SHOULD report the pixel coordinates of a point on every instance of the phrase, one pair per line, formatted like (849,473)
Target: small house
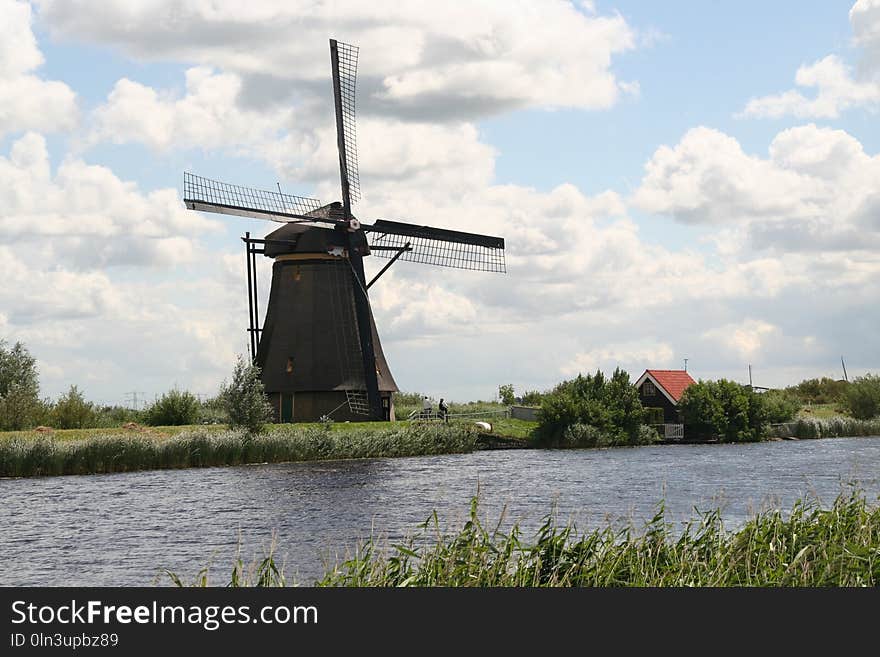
(662,389)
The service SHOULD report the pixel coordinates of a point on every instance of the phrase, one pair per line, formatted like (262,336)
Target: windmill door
(287,407)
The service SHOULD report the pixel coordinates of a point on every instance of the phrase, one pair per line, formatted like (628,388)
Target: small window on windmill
(648,389)
(289,365)
(296,273)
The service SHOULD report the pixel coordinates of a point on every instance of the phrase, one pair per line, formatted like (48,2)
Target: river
(122,529)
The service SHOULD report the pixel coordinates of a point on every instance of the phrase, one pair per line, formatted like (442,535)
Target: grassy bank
(811,546)
(25,456)
(161,433)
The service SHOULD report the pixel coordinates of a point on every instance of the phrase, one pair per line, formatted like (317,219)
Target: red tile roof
(673,381)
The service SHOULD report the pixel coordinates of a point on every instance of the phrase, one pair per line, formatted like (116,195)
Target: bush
(72,411)
(780,406)
(862,397)
(413,399)
(244,398)
(584,435)
(723,409)
(116,416)
(175,407)
(531,398)
(611,406)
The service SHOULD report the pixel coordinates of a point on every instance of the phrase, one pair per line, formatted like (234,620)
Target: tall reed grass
(810,546)
(834,427)
(28,457)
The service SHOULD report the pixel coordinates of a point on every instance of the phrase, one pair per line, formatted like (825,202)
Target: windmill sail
(438,246)
(214,196)
(344,59)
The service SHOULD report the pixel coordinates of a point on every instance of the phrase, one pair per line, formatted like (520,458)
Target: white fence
(670,432)
(434,415)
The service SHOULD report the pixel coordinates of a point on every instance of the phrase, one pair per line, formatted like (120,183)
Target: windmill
(318,349)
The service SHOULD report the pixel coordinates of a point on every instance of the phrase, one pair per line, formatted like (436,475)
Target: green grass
(29,456)
(820,411)
(508,427)
(809,547)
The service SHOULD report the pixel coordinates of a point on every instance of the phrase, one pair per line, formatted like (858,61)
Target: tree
(862,397)
(244,398)
(819,391)
(20,404)
(505,392)
(611,406)
(72,411)
(723,409)
(175,407)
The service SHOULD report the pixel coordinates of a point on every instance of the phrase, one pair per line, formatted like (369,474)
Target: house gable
(648,377)
(671,383)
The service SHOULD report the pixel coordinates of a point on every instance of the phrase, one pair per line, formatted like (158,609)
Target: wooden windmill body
(309,346)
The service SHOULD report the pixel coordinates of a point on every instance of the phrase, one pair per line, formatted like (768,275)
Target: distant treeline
(594,410)
(589,410)
(240,403)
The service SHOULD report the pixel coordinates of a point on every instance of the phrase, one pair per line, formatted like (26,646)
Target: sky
(677,180)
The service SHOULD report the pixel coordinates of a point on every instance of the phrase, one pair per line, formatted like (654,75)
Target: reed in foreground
(811,546)
(20,457)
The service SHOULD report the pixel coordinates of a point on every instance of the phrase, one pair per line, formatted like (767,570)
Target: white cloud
(443,61)
(249,96)
(865,20)
(28,102)
(35,295)
(746,338)
(816,190)
(836,91)
(836,88)
(627,356)
(206,117)
(86,218)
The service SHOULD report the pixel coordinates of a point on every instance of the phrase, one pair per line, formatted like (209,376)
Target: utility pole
(132,399)
(750,375)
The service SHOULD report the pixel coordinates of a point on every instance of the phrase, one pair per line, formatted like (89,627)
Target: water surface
(121,529)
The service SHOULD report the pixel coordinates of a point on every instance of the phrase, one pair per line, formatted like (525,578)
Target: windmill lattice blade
(439,246)
(348,61)
(213,196)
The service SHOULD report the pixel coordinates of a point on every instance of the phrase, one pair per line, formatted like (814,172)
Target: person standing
(444,410)
(426,407)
